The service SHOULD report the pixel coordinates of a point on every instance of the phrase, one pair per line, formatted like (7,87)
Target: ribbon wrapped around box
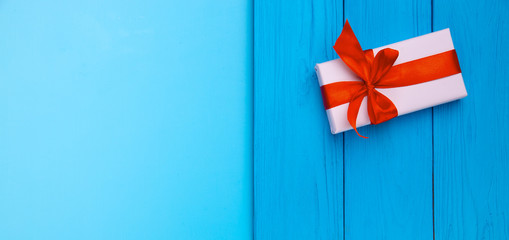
(373,86)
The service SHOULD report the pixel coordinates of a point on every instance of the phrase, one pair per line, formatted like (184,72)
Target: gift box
(362,90)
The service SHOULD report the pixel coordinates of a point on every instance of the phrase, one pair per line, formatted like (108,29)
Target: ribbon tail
(350,51)
(353,111)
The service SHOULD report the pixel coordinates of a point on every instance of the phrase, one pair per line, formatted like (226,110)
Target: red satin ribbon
(378,72)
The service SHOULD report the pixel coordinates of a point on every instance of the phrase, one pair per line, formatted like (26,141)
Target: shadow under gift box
(406,99)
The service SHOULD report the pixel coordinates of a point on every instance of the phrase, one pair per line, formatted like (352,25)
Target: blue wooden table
(440,173)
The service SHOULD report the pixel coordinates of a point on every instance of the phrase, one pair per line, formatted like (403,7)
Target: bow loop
(382,64)
(380,108)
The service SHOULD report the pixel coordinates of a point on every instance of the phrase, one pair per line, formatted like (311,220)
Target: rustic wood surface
(298,183)
(471,136)
(439,173)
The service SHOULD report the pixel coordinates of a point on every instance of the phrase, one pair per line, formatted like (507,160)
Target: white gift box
(406,99)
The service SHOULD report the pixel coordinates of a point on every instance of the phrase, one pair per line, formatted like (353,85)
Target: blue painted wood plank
(388,177)
(471,135)
(298,181)
(125,119)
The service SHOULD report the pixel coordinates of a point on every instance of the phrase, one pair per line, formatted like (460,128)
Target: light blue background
(125,120)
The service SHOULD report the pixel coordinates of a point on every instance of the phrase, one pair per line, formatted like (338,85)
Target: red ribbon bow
(378,72)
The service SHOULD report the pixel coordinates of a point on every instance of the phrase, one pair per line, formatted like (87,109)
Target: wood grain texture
(388,177)
(298,167)
(471,135)
(440,172)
